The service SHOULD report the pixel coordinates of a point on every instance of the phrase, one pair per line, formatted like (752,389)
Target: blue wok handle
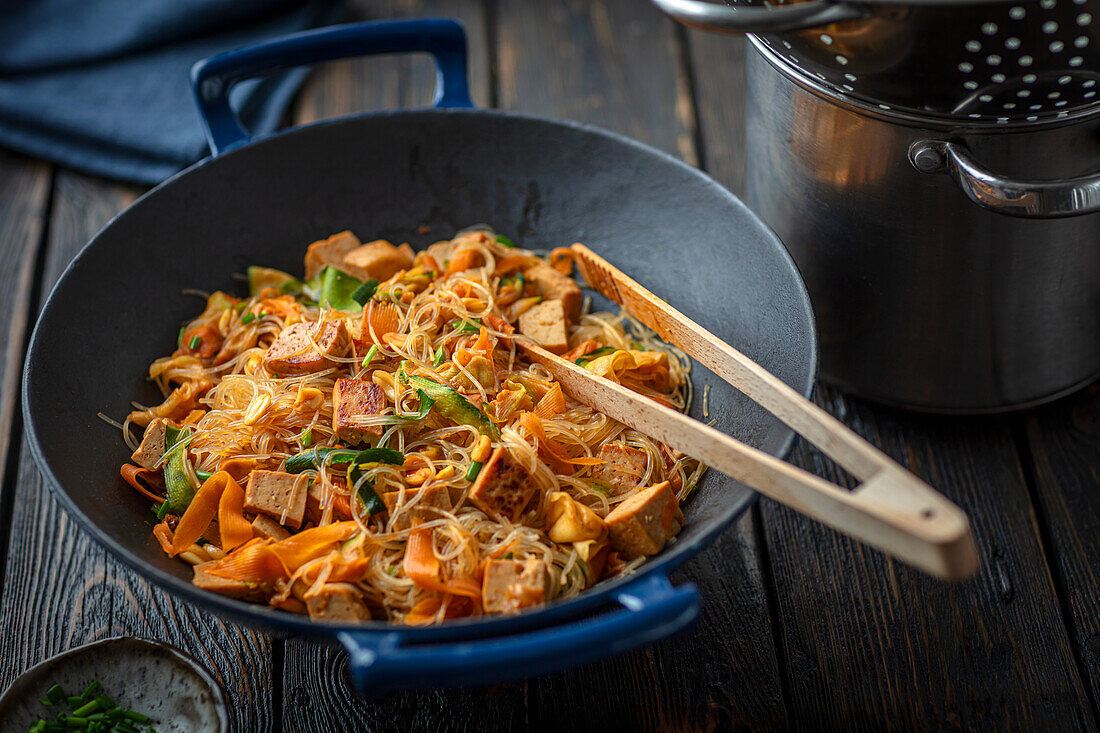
(212,78)
(652,610)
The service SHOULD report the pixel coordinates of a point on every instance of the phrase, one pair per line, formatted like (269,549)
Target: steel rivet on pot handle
(652,610)
(728,19)
(1027,199)
(212,78)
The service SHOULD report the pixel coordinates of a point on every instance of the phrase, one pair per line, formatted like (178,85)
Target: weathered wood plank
(1064,440)
(872,644)
(612,63)
(62,589)
(24,196)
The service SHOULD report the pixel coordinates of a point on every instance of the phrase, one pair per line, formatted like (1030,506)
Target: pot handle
(1026,199)
(212,78)
(652,610)
(726,19)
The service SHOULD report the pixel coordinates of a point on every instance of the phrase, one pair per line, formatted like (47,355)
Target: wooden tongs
(891,509)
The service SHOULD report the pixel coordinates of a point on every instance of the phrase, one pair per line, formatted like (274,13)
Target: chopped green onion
(370,355)
(464,326)
(306,438)
(474,470)
(440,357)
(194,343)
(248,318)
(162,511)
(86,709)
(501,239)
(365,291)
(179,338)
(56,694)
(203,475)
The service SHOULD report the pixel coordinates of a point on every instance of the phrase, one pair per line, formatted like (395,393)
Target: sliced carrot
(163,533)
(424,611)
(422,568)
(514,263)
(582,349)
(134,475)
(200,512)
(381,318)
(552,403)
(561,259)
(466,259)
(235,529)
(252,562)
(238,468)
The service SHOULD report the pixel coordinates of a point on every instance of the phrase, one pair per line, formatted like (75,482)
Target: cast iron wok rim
(274,620)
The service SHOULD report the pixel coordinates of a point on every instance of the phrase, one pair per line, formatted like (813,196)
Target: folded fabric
(102,85)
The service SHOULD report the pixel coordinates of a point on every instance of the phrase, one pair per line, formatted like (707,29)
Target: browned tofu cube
(294,353)
(644,522)
(418,505)
(337,602)
(379,260)
(152,447)
(233,588)
(552,285)
(503,486)
(354,398)
(624,468)
(281,496)
(329,251)
(544,324)
(267,528)
(511,585)
(319,498)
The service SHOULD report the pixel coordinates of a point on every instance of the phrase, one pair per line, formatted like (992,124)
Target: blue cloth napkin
(102,85)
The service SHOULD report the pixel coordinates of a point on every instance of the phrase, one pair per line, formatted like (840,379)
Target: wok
(543,182)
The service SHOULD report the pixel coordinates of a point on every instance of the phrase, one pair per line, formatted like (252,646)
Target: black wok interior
(542,183)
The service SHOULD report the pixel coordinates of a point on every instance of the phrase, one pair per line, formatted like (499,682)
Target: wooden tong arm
(891,509)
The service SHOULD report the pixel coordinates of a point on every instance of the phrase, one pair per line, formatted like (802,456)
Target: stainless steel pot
(953,266)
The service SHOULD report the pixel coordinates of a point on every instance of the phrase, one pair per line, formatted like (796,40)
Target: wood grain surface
(61,589)
(871,644)
(1063,444)
(801,628)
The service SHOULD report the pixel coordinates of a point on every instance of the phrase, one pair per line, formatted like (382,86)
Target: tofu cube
(416,508)
(152,447)
(267,528)
(552,285)
(281,496)
(239,589)
(624,468)
(294,353)
(337,602)
(510,586)
(378,259)
(318,499)
(503,486)
(644,522)
(329,251)
(544,324)
(352,398)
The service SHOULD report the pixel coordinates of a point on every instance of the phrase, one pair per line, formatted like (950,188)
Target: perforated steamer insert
(994,63)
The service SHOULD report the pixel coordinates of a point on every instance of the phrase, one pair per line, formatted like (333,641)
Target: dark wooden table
(802,628)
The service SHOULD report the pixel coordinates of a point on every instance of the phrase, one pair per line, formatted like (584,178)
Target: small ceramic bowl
(147,676)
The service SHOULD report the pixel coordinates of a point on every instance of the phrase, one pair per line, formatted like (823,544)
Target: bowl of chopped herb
(116,685)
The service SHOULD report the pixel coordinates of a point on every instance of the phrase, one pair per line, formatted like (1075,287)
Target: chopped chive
(135,716)
(464,326)
(248,318)
(370,355)
(87,709)
(501,239)
(91,689)
(365,292)
(509,556)
(56,694)
(440,357)
(179,338)
(194,343)
(306,438)
(474,470)
(162,512)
